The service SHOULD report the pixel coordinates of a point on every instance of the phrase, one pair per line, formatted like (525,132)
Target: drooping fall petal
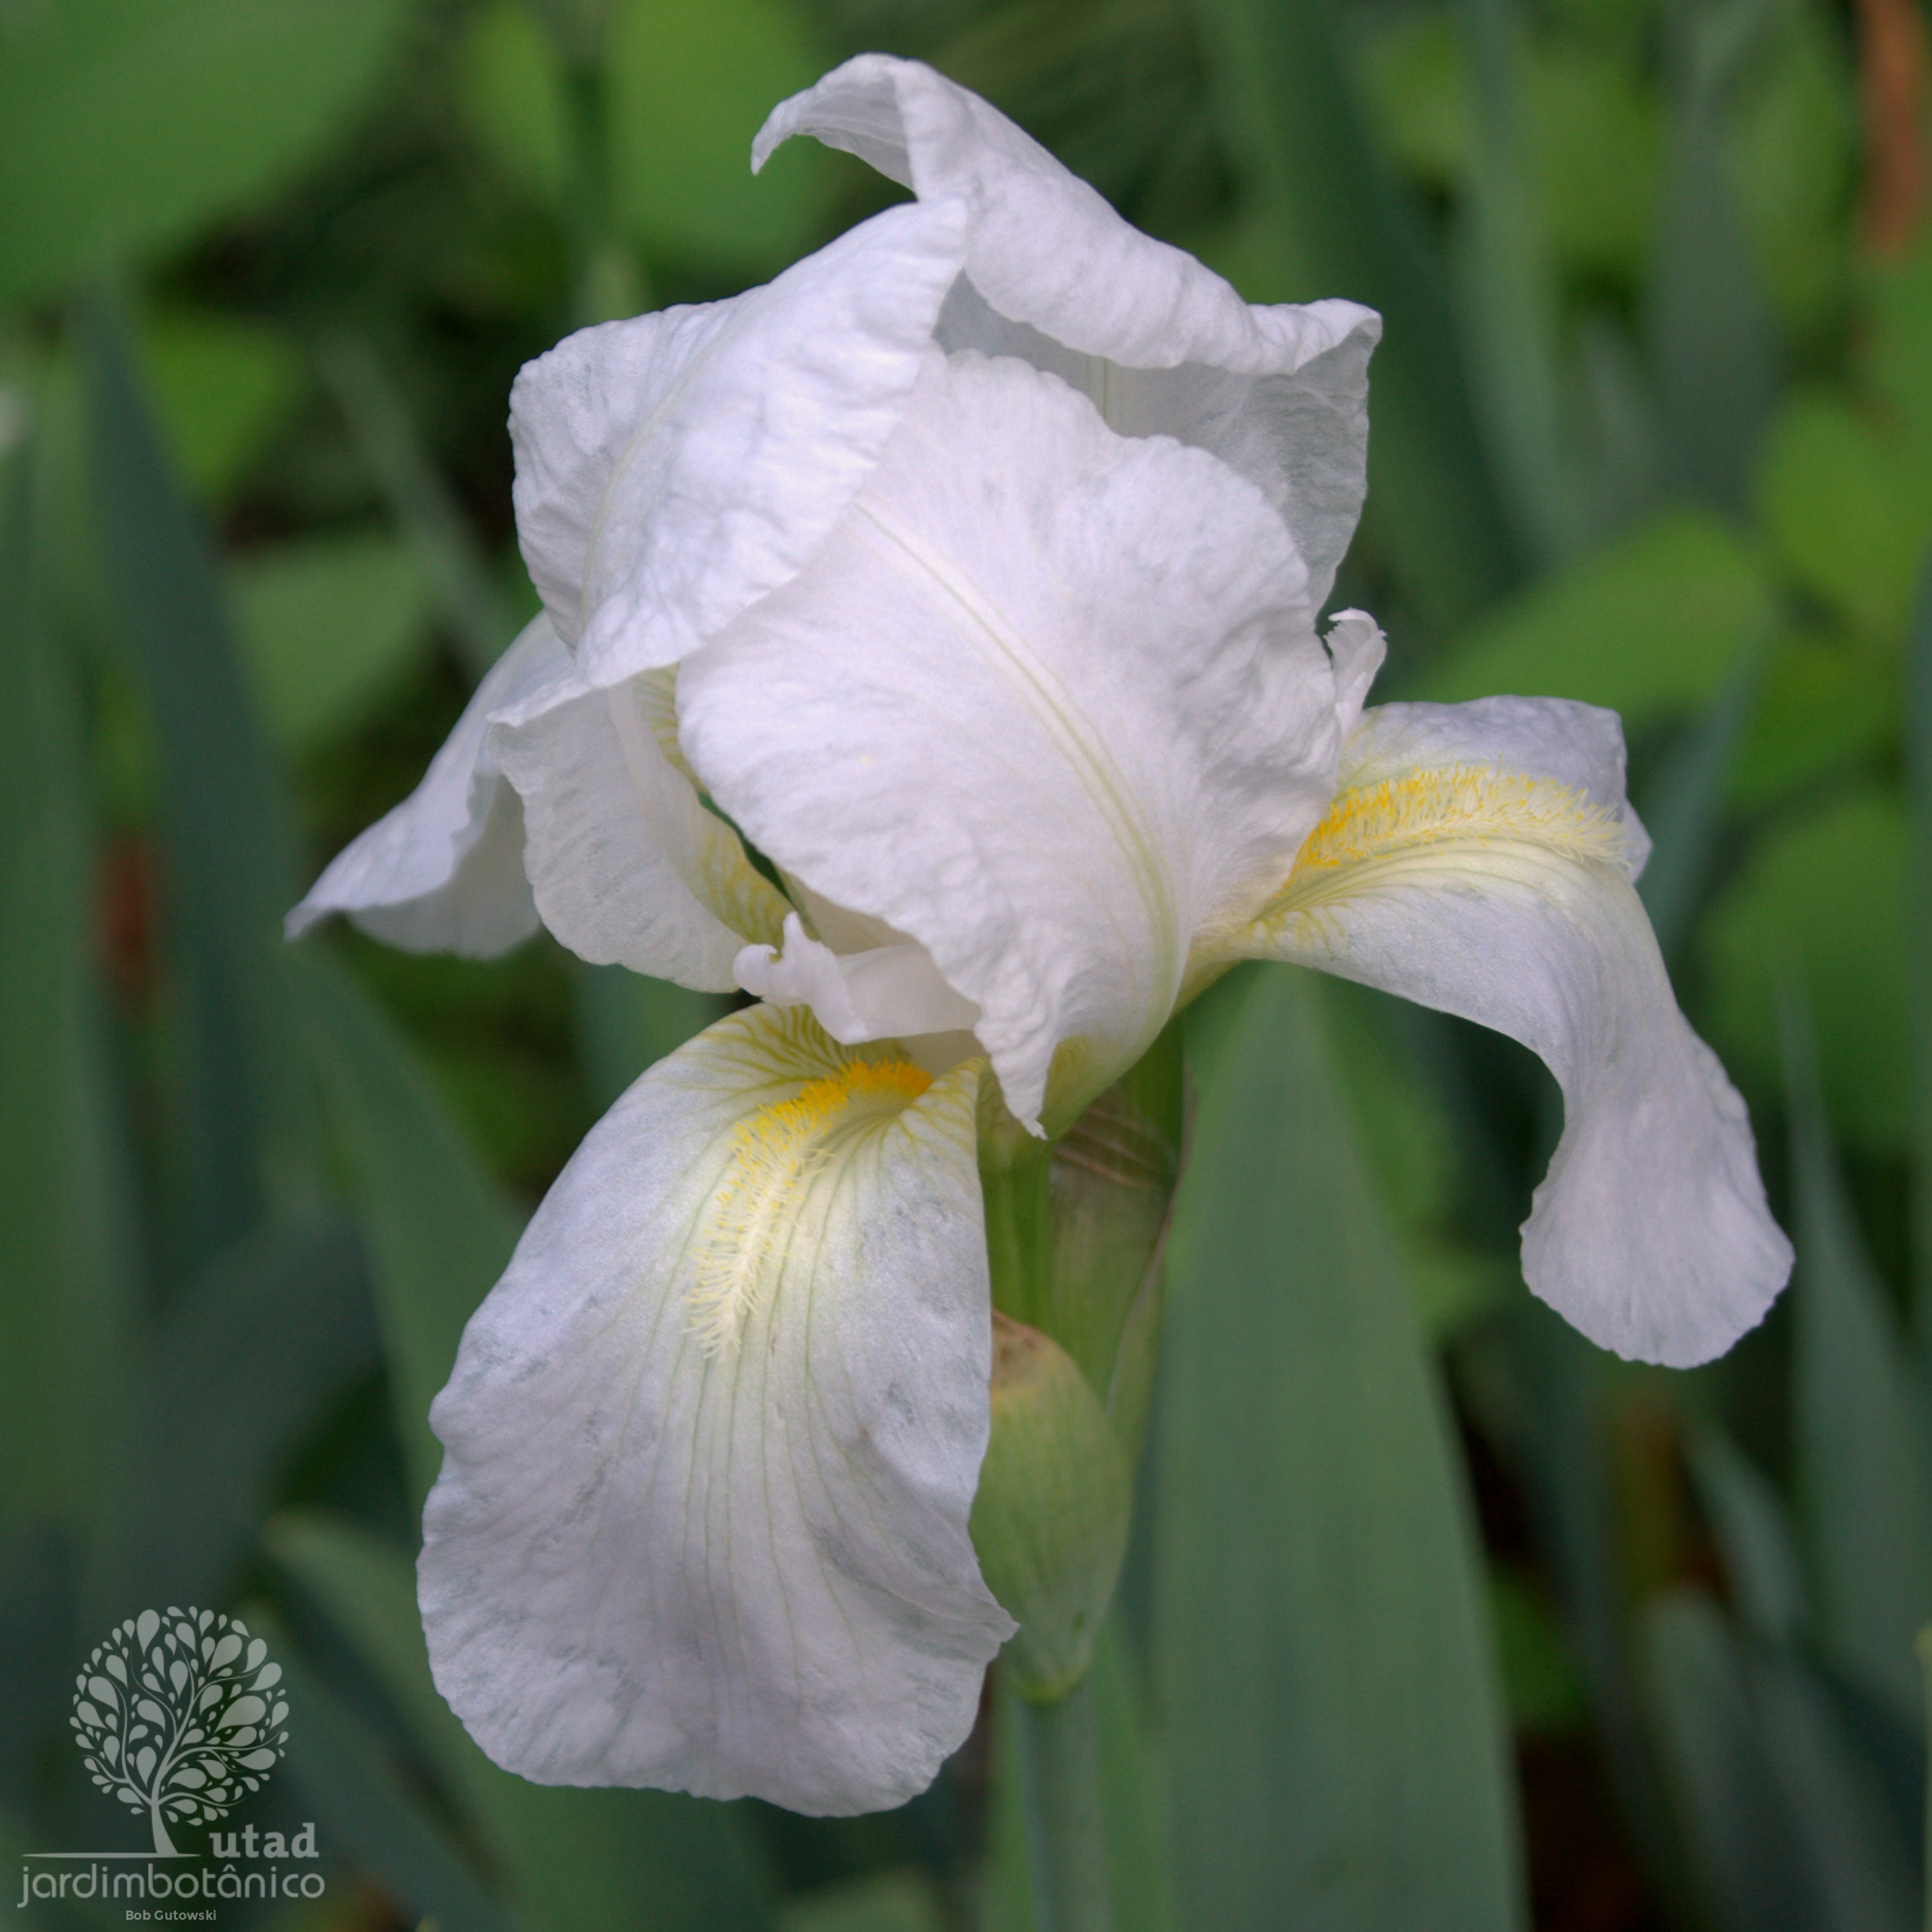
(712,1443)
(1477,859)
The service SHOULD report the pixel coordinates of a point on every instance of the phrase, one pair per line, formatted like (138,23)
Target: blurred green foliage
(1653,429)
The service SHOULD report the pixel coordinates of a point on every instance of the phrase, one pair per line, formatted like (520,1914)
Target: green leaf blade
(686,89)
(329,626)
(1823,891)
(1918,939)
(440,1234)
(124,124)
(242,1360)
(1334,1741)
(1728,1796)
(66,1282)
(336,1761)
(1647,625)
(247,1130)
(1864,1474)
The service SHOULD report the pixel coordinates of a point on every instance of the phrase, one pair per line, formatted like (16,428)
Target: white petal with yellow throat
(1496,884)
(712,1441)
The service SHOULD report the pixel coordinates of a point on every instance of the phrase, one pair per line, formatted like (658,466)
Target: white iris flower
(970,571)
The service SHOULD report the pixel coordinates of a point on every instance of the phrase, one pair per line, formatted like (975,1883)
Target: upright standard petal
(627,864)
(672,469)
(1477,859)
(1044,698)
(444,871)
(1161,344)
(712,1440)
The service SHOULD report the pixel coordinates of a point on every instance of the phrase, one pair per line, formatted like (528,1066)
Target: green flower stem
(1067,1840)
(1074,1227)
(1019,1232)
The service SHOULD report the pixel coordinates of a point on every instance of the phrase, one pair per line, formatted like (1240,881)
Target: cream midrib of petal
(1432,823)
(909,555)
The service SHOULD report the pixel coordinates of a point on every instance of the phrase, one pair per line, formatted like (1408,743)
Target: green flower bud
(1074,1233)
(1049,1520)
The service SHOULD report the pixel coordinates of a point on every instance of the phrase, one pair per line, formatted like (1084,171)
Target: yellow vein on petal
(1435,822)
(776,1154)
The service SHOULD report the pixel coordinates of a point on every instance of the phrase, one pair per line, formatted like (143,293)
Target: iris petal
(1496,884)
(712,1443)
(1158,342)
(883,993)
(627,863)
(444,871)
(672,469)
(1044,700)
